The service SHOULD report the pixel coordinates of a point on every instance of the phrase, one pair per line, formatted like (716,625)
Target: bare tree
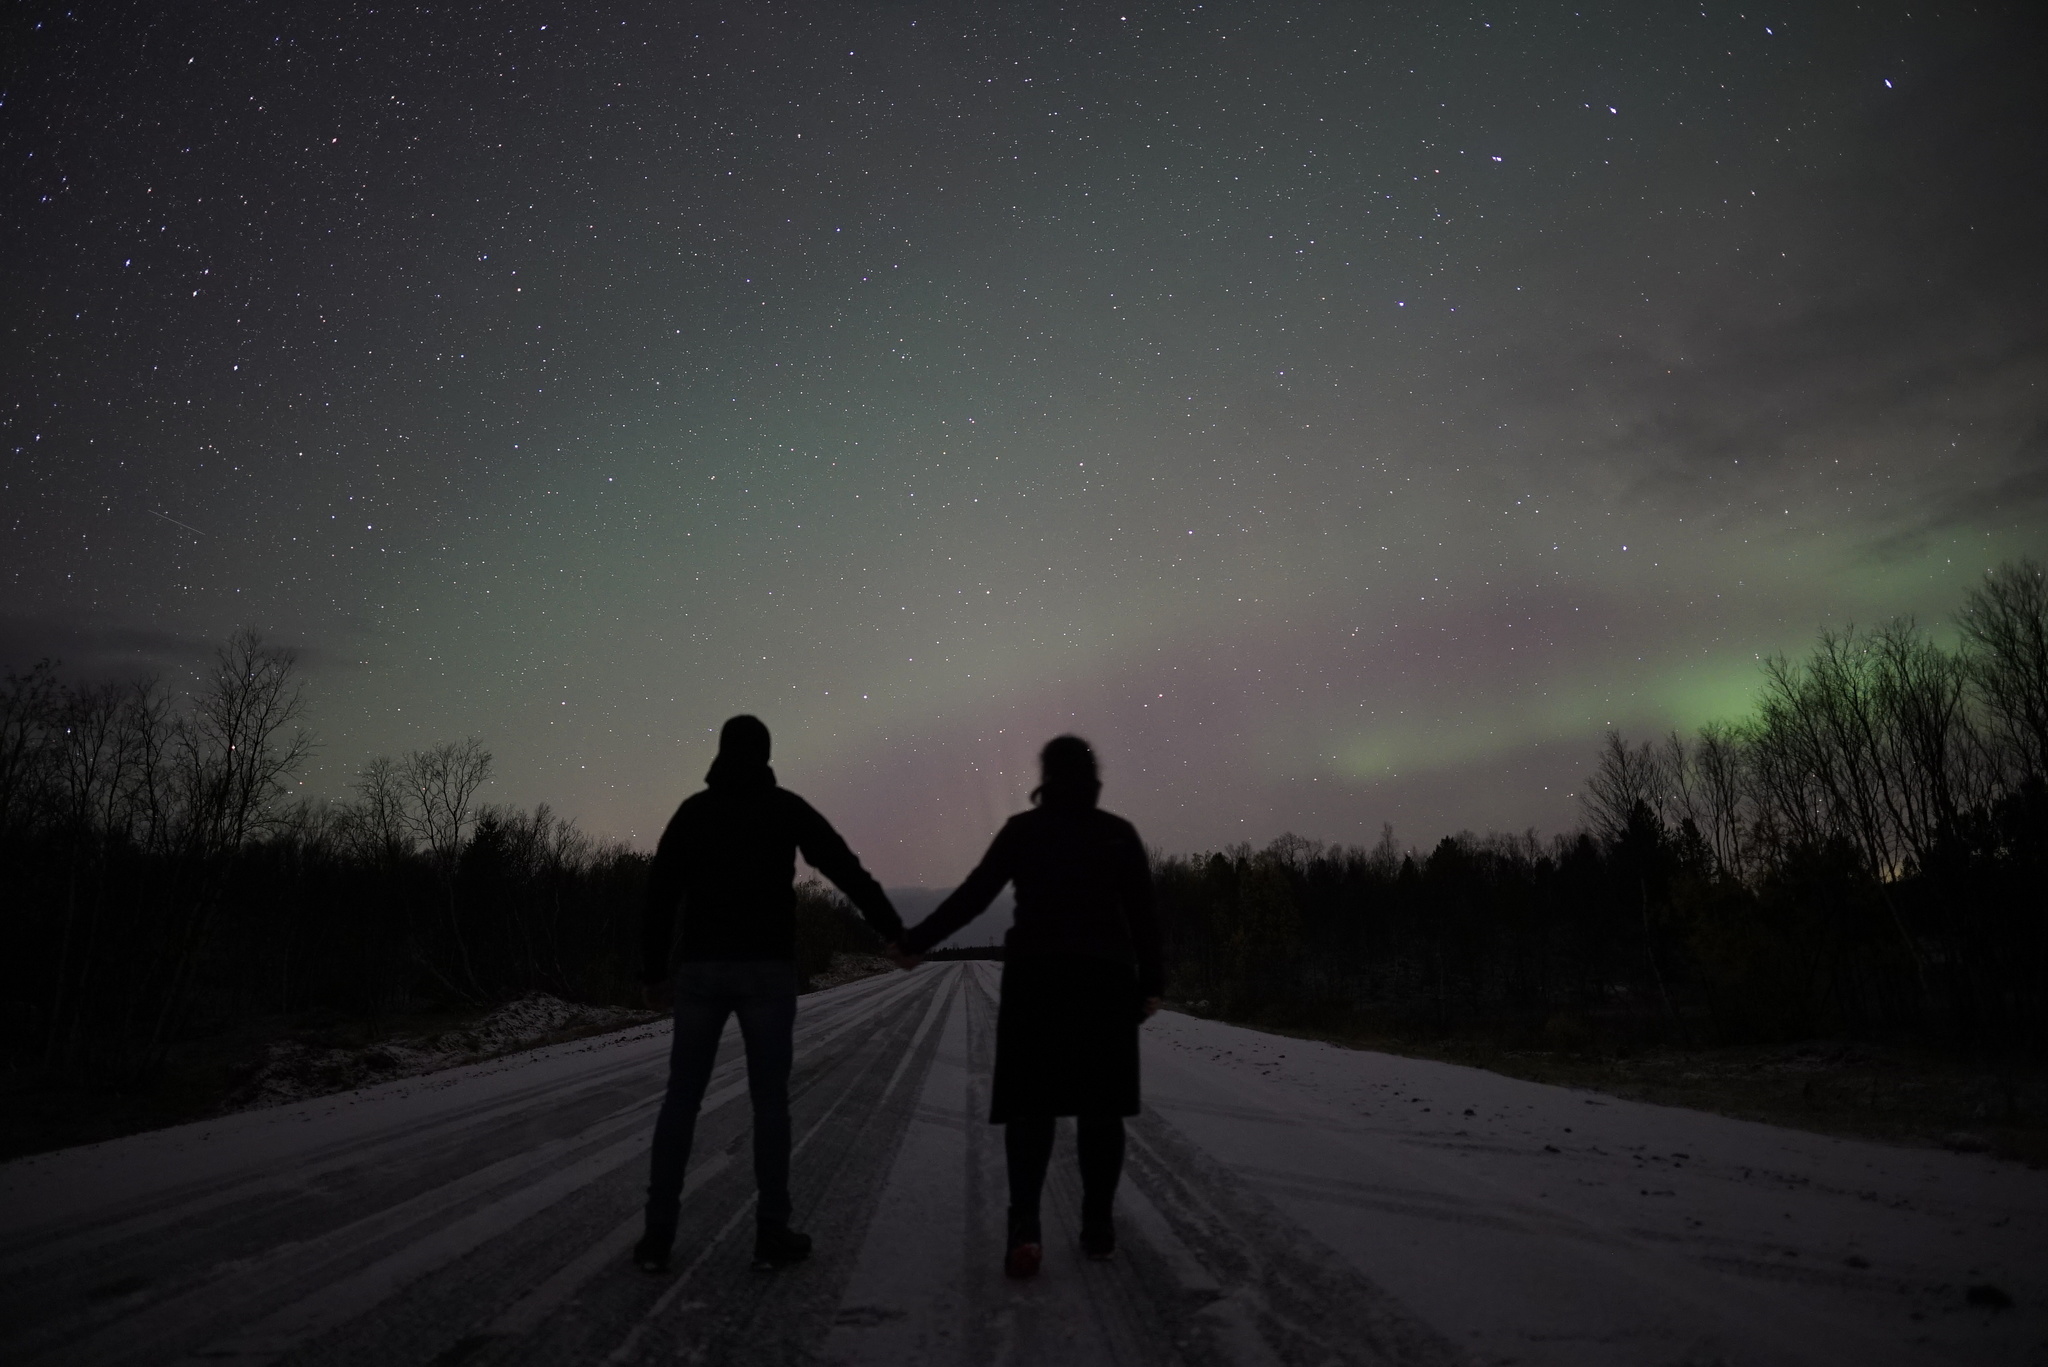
(568,850)
(240,743)
(1934,761)
(99,744)
(1719,790)
(376,823)
(1824,741)
(100,753)
(1822,723)
(230,758)
(152,797)
(1385,858)
(1791,809)
(1628,775)
(28,726)
(1871,741)
(2005,631)
(442,784)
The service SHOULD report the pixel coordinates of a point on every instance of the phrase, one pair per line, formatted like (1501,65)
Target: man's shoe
(1098,1239)
(779,1246)
(651,1253)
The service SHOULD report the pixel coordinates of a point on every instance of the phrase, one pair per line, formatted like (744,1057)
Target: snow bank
(293,1072)
(849,968)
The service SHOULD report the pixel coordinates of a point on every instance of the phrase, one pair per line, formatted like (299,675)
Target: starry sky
(1339,413)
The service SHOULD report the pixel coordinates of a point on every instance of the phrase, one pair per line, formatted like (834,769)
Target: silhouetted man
(728,858)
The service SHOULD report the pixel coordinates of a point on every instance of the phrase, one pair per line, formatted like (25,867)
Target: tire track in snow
(1275,1285)
(716,1309)
(341,1173)
(460,1195)
(426,1320)
(1206,1272)
(930,1291)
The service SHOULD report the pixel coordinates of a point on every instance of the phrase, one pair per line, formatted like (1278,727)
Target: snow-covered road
(1287,1202)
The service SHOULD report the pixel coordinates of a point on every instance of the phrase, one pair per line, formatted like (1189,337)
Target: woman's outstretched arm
(967,901)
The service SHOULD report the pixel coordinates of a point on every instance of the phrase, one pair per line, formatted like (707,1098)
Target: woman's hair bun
(1067,772)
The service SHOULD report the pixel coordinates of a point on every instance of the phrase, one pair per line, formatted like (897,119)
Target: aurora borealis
(1340,415)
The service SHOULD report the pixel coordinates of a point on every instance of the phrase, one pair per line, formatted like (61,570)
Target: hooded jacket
(727,862)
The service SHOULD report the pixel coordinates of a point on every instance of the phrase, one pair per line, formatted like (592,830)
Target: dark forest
(1861,857)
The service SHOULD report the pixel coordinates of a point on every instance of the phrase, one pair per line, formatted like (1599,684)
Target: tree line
(163,879)
(1863,854)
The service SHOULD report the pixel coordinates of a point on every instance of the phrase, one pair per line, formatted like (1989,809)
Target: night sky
(1340,414)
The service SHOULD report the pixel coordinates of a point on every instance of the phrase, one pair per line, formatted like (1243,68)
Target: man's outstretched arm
(824,851)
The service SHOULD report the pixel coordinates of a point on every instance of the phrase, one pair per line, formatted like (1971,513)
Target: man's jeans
(763,994)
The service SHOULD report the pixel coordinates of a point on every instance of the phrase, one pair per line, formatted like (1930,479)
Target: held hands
(1151,1005)
(894,953)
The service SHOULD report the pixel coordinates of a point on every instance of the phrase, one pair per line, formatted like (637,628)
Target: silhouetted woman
(1080,971)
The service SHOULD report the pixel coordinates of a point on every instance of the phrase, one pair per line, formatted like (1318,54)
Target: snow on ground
(1533,1223)
(286,1141)
(1286,1202)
